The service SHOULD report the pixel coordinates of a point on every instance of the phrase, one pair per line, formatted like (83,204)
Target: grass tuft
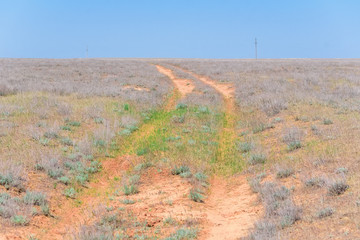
(337,187)
(196,196)
(325,212)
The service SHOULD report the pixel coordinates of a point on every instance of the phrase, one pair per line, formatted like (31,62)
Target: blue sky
(180,28)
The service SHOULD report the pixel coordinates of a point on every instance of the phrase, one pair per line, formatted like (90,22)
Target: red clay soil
(185,86)
(231,209)
(68,213)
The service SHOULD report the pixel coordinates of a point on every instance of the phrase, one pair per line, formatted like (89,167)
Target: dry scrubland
(112,149)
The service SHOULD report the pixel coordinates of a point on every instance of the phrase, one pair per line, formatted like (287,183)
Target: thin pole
(255,48)
(87,51)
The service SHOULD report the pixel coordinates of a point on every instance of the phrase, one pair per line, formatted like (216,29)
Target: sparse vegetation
(337,187)
(245,147)
(11,175)
(292,137)
(257,158)
(130,189)
(70,192)
(327,121)
(183,233)
(315,182)
(196,195)
(19,220)
(126,118)
(284,172)
(325,212)
(280,211)
(35,198)
(180,170)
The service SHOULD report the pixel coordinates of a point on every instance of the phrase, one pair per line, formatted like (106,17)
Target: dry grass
(295,120)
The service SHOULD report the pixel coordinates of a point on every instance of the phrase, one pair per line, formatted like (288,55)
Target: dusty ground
(231,205)
(228,212)
(230,208)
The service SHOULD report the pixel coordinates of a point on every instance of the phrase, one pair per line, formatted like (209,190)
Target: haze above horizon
(184,29)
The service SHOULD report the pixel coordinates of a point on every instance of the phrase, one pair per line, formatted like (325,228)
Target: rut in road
(231,209)
(68,216)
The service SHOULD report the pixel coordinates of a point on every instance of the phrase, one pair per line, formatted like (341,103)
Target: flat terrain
(179,149)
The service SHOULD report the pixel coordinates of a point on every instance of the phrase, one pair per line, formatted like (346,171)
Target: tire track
(69,217)
(231,210)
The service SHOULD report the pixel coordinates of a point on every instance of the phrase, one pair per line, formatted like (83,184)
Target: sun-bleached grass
(57,139)
(101,77)
(271,85)
(297,113)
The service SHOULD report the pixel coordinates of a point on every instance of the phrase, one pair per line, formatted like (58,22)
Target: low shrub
(196,196)
(200,176)
(272,106)
(73,123)
(12,175)
(98,120)
(315,182)
(82,178)
(186,174)
(183,233)
(142,151)
(272,195)
(315,130)
(327,121)
(55,172)
(181,106)
(289,213)
(67,141)
(292,137)
(143,166)
(130,189)
(70,192)
(178,119)
(244,147)
(257,159)
(254,184)
(51,134)
(65,128)
(100,143)
(34,198)
(95,166)
(128,201)
(284,172)
(5,90)
(293,146)
(325,212)
(337,187)
(180,170)
(94,232)
(261,127)
(134,179)
(264,230)
(45,209)
(19,220)
(203,109)
(126,107)
(342,170)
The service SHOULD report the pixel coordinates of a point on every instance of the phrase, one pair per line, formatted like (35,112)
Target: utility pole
(255,48)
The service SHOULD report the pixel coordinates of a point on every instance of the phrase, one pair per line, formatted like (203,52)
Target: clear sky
(180,28)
